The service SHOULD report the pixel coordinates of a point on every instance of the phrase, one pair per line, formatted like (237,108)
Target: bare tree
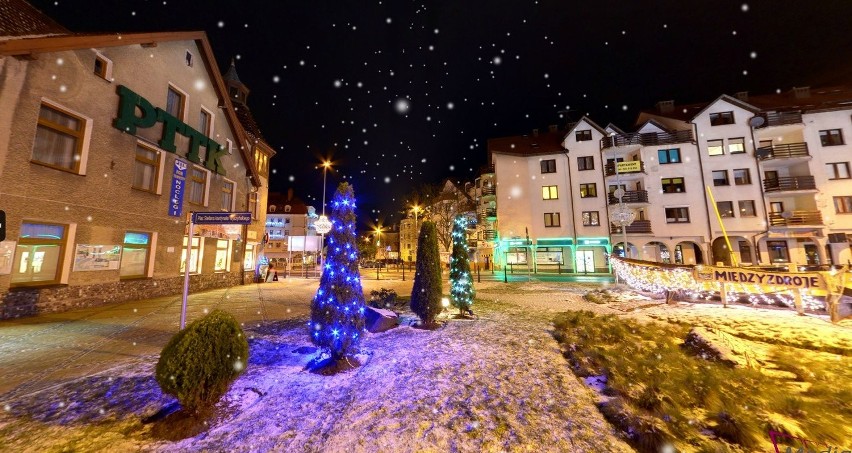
(448,203)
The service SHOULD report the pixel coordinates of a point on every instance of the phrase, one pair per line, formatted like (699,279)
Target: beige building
(291,241)
(107,143)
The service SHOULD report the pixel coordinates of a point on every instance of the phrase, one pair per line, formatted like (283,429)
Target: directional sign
(221,218)
(2,225)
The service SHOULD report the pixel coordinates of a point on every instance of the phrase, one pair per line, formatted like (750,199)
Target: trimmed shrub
(199,363)
(426,292)
(384,298)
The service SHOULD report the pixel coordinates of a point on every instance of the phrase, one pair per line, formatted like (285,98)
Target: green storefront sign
(127,121)
(593,242)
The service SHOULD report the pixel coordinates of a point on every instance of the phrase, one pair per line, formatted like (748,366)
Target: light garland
(461,282)
(337,310)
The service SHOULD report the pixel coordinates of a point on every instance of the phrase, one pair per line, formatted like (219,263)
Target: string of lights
(461,281)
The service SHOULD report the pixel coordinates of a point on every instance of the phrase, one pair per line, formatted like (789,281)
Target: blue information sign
(178,186)
(221,218)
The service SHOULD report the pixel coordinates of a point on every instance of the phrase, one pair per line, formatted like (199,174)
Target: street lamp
(378,246)
(323,225)
(416,209)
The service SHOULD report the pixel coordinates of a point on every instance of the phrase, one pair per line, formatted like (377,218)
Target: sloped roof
(19,19)
(248,123)
(823,98)
(279,200)
(528,145)
(589,122)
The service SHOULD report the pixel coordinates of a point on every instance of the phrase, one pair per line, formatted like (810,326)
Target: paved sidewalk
(38,352)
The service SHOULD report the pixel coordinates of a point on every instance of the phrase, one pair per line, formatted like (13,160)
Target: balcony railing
(647,139)
(489,190)
(781,118)
(486,170)
(637,227)
(793,218)
(609,169)
(489,235)
(491,213)
(786,151)
(631,196)
(788,183)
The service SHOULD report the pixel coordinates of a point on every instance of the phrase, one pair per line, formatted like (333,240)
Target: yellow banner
(802,280)
(632,166)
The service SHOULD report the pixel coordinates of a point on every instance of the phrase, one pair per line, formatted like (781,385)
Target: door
(811,255)
(585,261)
(776,206)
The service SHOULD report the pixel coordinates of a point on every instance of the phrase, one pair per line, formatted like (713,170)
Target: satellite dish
(756,121)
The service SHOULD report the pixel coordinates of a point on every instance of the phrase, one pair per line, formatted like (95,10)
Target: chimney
(742,95)
(535,132)
(802,92)
(289,194)
(553,128)
(665,106)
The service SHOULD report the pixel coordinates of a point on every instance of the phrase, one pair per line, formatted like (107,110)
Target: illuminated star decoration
(461,282)
(337,310)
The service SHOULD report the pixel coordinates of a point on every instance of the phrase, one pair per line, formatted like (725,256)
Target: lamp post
(416,209)
(323,225)
(378,247)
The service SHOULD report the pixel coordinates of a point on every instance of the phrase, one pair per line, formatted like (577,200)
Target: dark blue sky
(410,91)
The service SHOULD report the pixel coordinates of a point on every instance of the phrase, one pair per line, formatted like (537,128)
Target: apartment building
(291,240)
(772,166)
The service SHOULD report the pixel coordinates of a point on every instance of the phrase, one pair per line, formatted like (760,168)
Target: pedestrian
(270,272)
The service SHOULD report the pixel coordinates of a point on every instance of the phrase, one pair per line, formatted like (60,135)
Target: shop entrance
(585,261)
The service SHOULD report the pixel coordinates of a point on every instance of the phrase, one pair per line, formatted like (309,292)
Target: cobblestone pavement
(38,352)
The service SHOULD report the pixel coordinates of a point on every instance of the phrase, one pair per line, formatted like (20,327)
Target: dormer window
(272,208)
(103,67)
(720,118)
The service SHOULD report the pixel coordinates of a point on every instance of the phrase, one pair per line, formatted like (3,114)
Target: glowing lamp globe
(322,225)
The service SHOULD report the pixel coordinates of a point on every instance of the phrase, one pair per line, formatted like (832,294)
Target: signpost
(205,218)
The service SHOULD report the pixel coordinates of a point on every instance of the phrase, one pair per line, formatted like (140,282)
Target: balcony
(489,191)
(631,196)
(795,218)
(486,170)
(637,227)
(783,154)
(609,170)
(489,235)
(781,119)
(491,213)
(648,139)
(789,183)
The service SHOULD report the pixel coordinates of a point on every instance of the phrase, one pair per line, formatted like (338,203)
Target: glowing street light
(323,225)
(378,246)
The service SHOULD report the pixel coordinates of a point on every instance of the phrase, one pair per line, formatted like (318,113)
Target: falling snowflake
(402,106)
(744,7)
(276,79)
(220,24)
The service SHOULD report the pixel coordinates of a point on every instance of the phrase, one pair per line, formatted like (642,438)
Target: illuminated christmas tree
(426,292)
(461,282)
(337,310)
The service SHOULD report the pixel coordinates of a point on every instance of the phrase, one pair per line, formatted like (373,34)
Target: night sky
(410,91)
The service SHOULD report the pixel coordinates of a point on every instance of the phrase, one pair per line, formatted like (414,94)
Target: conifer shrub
(199,363)
(426,291)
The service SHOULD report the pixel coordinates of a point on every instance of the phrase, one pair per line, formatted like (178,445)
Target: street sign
(2,225)
(178,187)
(631,166)
(221,218)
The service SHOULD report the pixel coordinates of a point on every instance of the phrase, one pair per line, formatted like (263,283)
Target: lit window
(549,193)
(39,254)
(588,190)
(197,186)
(135,255)
(194,256)
(248,261)
(673,185)
(223,255)
(715,147)
(591,218)
(778,252)
(747,208)
(736,145)
(669,156)
(59,140)
(146,169)
(843,204)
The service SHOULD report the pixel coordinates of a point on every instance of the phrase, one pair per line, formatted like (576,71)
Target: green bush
(426,292)
(384,298)
(199,363)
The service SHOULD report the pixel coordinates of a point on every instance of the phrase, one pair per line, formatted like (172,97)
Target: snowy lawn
(498,383)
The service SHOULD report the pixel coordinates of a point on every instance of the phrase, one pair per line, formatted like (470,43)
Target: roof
(279,200)
(19,19)
(232,73)
(806,99)
(588,121)
(528,145)
(729,100)
(248,123)
(34,45)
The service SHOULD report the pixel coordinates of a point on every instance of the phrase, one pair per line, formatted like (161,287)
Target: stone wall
(24,302)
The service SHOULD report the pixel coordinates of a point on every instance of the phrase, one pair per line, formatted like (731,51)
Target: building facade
(754,180)
(292,243)
(108,142)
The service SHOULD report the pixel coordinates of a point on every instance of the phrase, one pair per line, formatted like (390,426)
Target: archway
(742,250)
(720,252)
(618,250)
(656,251)
(688,252)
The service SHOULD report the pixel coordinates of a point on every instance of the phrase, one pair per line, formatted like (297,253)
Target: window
(248,260)
(669,156)
(103,67)
(549,193)
(778,252)
(586,163)
(551,219)
(197,186)
(228,195)
(776,206)
(742,176)
(720,118)
(548,166)
(135,255)
(59,140)
(591,218)
(736,145)
(252,205)
(583,136)
(715,148)
(204,122)
(39,254)
(194,256)
(223,255)
(837,170)
(720,178)
(745,252)
(677,215)
(726,208)
(831,137)
(673,185)
(843,204)
(189,58)
(588,190)
(747,208)
(146,169)
(175,101)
